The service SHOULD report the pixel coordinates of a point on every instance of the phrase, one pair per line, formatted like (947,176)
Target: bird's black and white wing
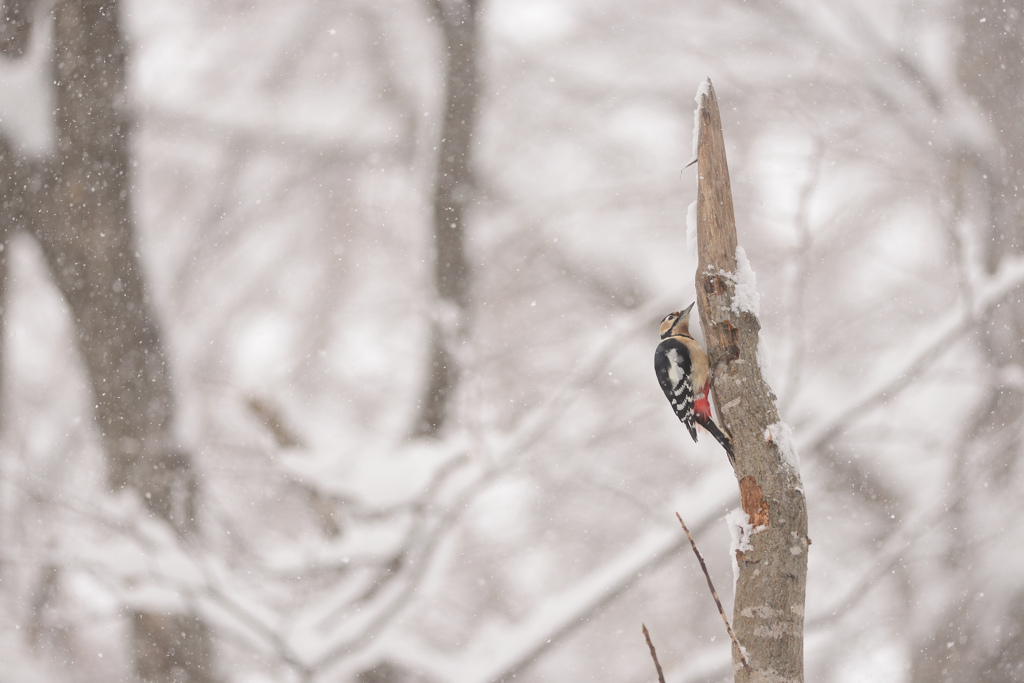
(672,365)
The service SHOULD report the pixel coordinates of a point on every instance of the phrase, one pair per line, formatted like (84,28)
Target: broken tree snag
(770,589)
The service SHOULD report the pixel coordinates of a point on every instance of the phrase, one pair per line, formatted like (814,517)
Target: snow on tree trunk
(768,614)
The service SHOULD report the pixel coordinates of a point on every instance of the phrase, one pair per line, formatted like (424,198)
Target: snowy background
(284,157)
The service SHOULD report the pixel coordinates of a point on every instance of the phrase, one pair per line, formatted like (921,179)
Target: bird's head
(676,323)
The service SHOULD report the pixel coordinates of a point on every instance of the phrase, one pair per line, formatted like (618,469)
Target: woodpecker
(684,373)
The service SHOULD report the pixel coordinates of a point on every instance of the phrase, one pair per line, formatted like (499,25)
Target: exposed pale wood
(768,615)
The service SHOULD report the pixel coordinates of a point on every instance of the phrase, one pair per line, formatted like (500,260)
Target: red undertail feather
(701,407)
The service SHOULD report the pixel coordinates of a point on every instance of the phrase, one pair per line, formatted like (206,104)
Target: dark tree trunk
(17,27)
(78,206)
(15,178)
(453,192)
(89,243)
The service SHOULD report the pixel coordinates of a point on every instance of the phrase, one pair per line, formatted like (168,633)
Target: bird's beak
(686,311)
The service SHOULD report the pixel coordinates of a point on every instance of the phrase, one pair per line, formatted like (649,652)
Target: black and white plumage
(684,373)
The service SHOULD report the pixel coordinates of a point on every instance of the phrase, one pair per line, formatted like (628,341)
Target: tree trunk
(768,613)
(78,208)
(89,242)
(17,27)
(453,192)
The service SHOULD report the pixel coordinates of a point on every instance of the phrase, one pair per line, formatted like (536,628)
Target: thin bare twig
(714,594)
(654,655)
(567,622)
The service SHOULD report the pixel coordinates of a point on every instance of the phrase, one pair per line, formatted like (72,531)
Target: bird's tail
(721,438)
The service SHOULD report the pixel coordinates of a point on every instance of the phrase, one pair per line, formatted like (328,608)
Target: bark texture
(768,615)
(453,191)
(77,204)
